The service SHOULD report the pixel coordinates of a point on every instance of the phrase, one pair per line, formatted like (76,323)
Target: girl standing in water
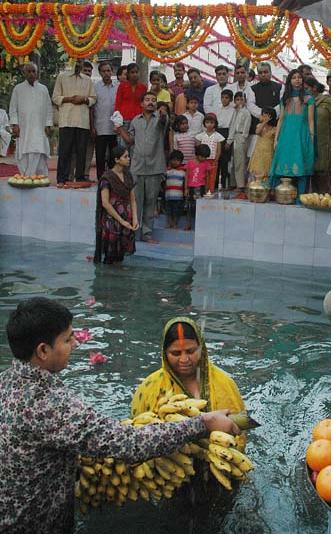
(294,142)
(116,214)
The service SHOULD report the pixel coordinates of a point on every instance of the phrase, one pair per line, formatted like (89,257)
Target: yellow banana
(101,489)
(186,449)
(164,474)
(200,404)
(88,471)
(195,449)
(222,465)
(221,452)
(106,470)
(120,468)
(241,460)
(126,422)
(236,472)
(95,503)
(144,493)
(166,464)
(120,499)
(115,479)
(164,399)
(92,490)
(167,409)
(159,480)
(139,472)
(145,418)
(167,493)
(111,491)
(178,397)
(87,460)
(123,489)
(189,470)
(175,418)
(176,481)
(156,494)
(109,461)
(98,467)
(149,484)
(84,482)
(125,479)
(132,494)
(191,411)
(243,420)
(220,477)
(222,438)
(148,471)
(180,458)
(104,480)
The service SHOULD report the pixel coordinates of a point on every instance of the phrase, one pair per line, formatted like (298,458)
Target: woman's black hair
(37,320)
(116,153)
(172,334)
(121,69)
(132,66)
(312,82)
(272,113)
(178,120)
(289,88)
(202,150)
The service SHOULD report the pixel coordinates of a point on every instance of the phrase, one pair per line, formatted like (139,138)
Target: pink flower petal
(91,301)
(82,335)
(97,357)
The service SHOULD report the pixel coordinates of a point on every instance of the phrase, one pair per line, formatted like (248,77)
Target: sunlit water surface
(263,324)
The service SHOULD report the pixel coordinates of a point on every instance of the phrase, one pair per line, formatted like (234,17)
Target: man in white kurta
(30,113)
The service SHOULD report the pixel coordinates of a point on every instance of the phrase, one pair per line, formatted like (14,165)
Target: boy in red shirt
(129,95)
(196,180)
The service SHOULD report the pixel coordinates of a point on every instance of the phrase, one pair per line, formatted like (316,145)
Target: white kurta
(5,136)
(31,108)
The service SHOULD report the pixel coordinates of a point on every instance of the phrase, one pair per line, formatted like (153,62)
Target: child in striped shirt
(174,188)
(183,140)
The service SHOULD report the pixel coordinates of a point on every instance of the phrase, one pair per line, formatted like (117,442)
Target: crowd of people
(173,141)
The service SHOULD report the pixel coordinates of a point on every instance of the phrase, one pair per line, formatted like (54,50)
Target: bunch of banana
(179,404)
(315,200)
(225,460)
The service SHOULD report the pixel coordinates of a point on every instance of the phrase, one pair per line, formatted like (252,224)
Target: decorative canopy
(163,33)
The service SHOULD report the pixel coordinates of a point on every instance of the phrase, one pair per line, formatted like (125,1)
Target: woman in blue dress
(294,142)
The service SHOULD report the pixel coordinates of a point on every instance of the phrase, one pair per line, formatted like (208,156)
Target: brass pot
(258,191)
(285,192)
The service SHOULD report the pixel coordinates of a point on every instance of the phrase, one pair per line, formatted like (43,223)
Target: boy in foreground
(43,426)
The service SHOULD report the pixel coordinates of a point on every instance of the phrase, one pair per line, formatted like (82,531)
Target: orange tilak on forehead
(180,332)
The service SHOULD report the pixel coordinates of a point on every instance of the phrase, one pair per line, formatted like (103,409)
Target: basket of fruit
(318,461)
(27,182)
(316,201)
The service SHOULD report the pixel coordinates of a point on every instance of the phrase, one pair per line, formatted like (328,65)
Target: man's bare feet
(151,241)
(188,227)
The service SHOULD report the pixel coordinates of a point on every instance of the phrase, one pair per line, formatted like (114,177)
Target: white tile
(268,252)
(34,206)
(299,227)
(57,232)
(298,255)
(33,228)
(238,249)
(207,247)
(58,207)
(82,234)
(322,257)
(11,225)
(83,202)
(10,201)
(269,221)
(239,221)
(322,239)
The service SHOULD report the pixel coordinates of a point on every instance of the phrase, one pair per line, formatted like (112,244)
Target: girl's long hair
(288,88)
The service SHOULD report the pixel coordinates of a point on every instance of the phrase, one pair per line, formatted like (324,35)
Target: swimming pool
(263,324)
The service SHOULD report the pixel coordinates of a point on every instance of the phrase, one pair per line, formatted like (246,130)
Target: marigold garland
(164,33)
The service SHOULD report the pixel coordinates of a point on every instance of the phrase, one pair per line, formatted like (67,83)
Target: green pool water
(263,324)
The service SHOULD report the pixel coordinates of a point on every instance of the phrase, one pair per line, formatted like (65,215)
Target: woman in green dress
(321,182)
(294,141)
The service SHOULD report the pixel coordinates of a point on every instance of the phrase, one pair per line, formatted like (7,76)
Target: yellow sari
(216,386)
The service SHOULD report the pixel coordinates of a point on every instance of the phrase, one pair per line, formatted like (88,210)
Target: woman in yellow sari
(187,369)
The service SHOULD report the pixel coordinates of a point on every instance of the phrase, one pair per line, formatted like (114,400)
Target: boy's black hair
(192,97)
(272,113)
(177,155)
(227,92)
(132,66)
(221,67)
(154,73)
(177,121)
(239,93)
(37,320)
(202,150)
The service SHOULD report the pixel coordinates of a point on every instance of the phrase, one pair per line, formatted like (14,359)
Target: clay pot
(258,191)
(285,192)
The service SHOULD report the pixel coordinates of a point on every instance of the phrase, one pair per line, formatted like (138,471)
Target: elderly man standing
(30,113)
(212,97)
(74,94)
(103,129)
(242,84)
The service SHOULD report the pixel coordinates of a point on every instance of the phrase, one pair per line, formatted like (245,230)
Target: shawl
(122,189)
(216,386)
